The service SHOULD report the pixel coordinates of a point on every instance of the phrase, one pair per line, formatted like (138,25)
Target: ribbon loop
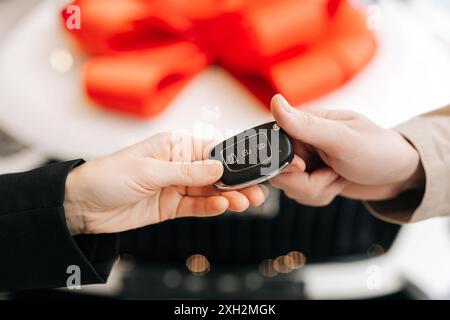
(142,83)
(145,51)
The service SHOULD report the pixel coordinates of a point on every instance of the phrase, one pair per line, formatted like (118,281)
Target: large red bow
(145,51)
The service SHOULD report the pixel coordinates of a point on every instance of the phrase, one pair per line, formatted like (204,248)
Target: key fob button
(248,152)
(253,156)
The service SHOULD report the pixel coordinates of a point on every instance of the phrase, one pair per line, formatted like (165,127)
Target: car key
(253,156)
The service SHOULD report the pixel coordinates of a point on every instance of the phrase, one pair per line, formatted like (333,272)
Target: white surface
(21,161)
(47,109)
(10,13)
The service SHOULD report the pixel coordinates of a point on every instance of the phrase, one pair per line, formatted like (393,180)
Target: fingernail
(283,103)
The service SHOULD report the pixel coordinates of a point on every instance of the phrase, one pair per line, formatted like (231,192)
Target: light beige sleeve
(430,135)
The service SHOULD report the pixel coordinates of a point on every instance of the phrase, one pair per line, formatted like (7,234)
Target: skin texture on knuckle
(187,170)
(150,172)
(181,148)
(307,120)
(312,193)
(316,196)
(347,142)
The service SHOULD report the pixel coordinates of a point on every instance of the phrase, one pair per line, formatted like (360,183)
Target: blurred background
(282,250)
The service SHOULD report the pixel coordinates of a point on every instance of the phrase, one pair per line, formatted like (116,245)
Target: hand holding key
(346,154)
(164,177)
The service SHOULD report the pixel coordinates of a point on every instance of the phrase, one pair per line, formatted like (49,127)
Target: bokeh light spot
(375,250)
(267,269)
(61,60)
(198,264)
(281,265)
(295,260)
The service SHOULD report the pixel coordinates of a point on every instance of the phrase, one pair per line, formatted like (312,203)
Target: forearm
(35,243)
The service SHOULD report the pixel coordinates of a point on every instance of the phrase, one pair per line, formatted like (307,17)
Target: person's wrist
(416,180)
(414,171)
(72,208)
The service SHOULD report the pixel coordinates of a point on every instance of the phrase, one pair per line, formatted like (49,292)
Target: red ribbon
(144,51)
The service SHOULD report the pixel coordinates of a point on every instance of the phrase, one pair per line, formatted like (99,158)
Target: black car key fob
(253,156)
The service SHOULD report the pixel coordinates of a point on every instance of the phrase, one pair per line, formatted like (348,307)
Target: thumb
(306,127)
(196,174)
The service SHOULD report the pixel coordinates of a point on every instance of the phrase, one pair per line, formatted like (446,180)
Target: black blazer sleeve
(36,247)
